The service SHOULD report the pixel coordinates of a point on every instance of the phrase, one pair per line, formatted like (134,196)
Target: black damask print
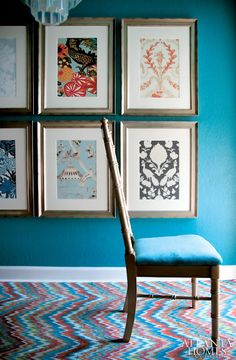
(159,169)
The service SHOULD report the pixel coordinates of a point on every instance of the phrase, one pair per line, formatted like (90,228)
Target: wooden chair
(173,256)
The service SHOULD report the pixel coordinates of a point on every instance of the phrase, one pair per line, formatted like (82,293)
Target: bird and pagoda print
(76,169)
(77,67)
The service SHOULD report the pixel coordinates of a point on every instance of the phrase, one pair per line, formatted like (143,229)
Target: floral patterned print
(159,68)
(77,67)
(7,169)
(159,169)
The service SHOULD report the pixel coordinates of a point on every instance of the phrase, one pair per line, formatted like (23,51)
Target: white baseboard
(61,274)
(81,274)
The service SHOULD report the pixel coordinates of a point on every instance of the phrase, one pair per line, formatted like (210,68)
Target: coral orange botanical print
(77,67)
(159,72)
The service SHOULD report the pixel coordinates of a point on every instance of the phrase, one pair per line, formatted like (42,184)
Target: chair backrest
(117,184)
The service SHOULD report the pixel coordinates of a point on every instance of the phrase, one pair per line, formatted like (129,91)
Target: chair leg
(125,308)
(194,292)
(214,312)
(131,297)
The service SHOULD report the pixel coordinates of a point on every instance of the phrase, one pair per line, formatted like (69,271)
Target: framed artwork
(74,175)
(159,67)
(15,169)
(76,67)
(159,168)
(15,70)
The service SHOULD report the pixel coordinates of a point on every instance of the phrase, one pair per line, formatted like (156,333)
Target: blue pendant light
(51,12)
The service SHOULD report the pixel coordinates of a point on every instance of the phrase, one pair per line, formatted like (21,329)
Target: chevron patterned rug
(83,320)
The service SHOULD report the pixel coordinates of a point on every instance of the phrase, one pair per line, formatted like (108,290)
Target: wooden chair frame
(134,270)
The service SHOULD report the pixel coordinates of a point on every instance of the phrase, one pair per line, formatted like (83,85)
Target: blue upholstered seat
(176,250)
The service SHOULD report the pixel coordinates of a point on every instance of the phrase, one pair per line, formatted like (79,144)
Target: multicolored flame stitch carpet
(82,320)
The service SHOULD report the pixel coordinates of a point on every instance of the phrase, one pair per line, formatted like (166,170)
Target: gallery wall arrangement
(76,61)
(150,73)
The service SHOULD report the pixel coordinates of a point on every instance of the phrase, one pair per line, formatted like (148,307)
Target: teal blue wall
(97,242)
